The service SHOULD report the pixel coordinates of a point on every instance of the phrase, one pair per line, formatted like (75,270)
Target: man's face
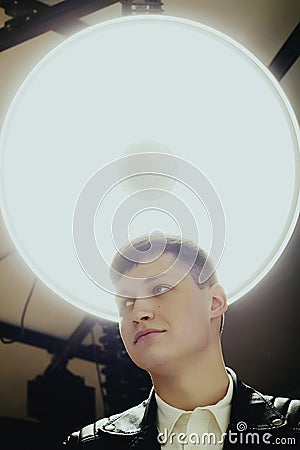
(164,325)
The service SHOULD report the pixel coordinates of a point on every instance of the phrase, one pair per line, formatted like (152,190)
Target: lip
(145,332)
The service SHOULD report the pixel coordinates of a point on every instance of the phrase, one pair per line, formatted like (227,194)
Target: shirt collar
(168,415)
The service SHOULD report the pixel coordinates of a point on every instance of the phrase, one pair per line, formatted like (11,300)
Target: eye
(124,302)
(161,289)
(128,302)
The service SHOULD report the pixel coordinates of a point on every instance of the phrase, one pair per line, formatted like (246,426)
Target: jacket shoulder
(85,434)
(126,423)
(288,408)
(271,410)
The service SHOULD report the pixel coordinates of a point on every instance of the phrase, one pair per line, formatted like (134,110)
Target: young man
(171,320)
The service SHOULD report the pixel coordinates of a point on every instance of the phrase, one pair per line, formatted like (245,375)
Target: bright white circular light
(178,85)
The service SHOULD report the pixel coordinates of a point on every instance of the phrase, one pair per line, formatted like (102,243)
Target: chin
(156,364)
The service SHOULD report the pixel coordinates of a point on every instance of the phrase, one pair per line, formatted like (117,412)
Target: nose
(143,310)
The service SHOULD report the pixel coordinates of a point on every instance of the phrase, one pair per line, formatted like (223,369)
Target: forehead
(165,268)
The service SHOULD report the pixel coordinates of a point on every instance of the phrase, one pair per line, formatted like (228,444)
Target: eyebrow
(146,282)
(154,278)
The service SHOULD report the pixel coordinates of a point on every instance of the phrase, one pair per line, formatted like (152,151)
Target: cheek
(192,321)
(123,331)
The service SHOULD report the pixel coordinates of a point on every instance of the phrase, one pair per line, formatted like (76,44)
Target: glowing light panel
(154,84)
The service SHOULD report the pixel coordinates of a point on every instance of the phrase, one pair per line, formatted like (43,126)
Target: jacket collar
(138,424)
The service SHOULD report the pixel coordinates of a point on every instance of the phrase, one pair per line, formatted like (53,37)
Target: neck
(201,383)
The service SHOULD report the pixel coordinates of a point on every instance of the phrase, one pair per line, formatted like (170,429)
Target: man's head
(159,293)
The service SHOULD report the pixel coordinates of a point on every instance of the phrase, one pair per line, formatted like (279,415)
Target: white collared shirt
(179,429)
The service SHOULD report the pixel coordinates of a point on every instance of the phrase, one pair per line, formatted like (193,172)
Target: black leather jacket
(256,421)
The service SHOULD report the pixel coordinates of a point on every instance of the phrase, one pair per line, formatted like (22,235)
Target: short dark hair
(183,248)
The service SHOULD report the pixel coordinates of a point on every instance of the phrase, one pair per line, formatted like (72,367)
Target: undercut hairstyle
(185,249)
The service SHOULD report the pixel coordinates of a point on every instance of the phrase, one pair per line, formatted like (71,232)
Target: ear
(218,304)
